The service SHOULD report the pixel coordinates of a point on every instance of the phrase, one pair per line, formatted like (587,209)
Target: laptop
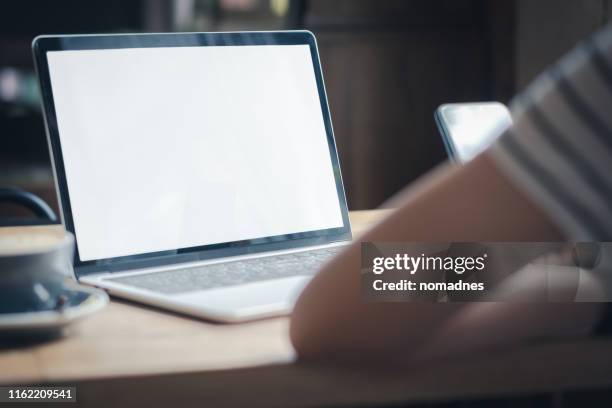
(197,171)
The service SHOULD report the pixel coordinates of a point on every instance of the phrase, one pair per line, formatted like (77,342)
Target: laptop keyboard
(230,273)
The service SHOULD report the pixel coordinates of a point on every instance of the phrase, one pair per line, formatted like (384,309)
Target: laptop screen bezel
(43,44)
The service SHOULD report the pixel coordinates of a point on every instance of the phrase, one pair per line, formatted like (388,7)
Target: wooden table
(133,355)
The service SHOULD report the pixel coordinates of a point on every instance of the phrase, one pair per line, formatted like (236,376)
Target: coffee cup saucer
(75,302)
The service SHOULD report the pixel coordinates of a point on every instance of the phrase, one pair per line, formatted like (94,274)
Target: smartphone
(469,128)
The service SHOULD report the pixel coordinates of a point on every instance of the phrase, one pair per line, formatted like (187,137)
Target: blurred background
(387,65)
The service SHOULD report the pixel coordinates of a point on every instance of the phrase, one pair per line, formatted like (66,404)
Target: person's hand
(534,307)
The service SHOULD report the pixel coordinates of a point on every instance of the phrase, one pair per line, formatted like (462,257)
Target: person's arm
(557,154)
(471,203)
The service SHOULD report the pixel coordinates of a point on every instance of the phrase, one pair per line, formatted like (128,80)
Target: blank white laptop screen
(168,148)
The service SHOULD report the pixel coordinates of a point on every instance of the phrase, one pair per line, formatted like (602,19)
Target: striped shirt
(559,150)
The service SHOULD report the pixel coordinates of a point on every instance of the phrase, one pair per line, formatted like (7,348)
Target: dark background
(387,64)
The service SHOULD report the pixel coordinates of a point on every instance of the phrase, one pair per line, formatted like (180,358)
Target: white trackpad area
(252,300)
